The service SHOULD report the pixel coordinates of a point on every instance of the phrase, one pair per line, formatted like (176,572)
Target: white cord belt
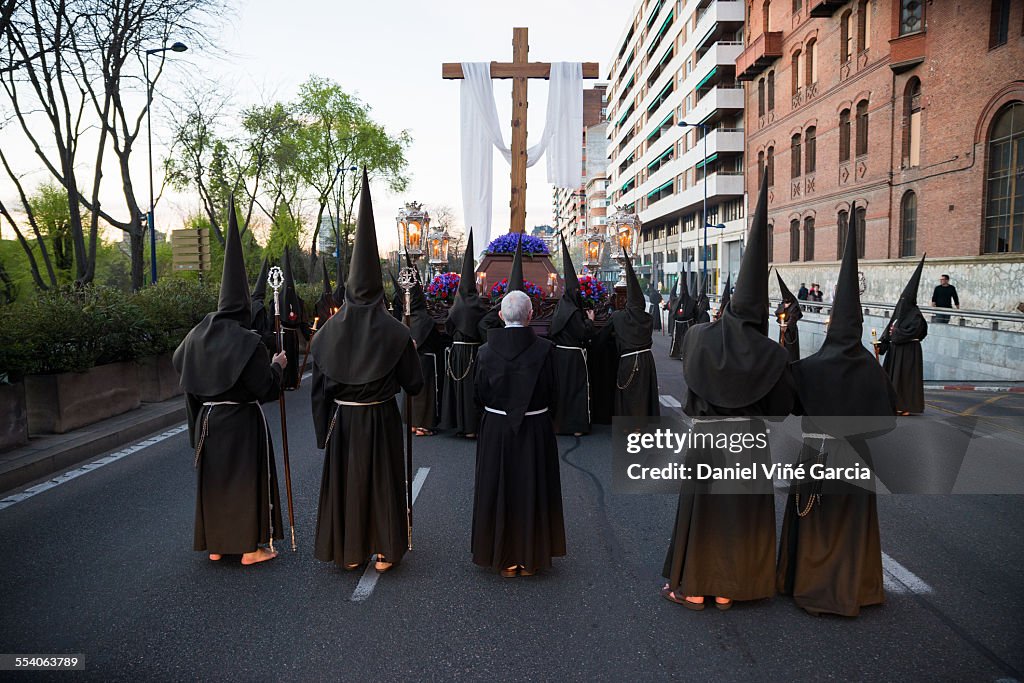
(634,353)
(585,361)
(712,420)
(824,437)
(502,412)
(230,403)
(465,343)
(360,403)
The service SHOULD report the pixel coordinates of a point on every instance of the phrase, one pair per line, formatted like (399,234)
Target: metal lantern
(624,234)
(413,225)
(437,249)
(593,248)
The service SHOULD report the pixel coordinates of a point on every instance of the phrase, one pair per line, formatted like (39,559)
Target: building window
(863,26)
(795,68)
(912,123)
(809,238)
(999,29)
(770,166)
(795,155)
(760,168)
(794,240)
(862,127)
(842,225)
(771,90)
(908,225)
(911,16)
(845,37)
(760,97)
(861,218)
(811,150)
(1004,186)
(811,69)
(766,15)
(797,6)
(771,242)
(844,135)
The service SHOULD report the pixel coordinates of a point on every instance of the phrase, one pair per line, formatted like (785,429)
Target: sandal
(381,565)
(510,572)
(667,593)
(723,606)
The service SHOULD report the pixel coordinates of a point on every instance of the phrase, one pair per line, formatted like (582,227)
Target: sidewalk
(48,454)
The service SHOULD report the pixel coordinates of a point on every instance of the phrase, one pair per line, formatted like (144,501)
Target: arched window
(766,15)
(845,37)
(811,69)
(861,217)
(794,146)
(771,90)
(912,123)
(794,65)
(911,16)
(908,225)
(842,224)
(862,127)
(794,240)
(863,25)
(809,238)
(844,135)
(770,166)
(760,97)
(811,149)
(760,168)
(1004,185)
(771,242)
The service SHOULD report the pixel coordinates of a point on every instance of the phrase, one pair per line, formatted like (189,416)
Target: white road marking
(899,579)
(369,579)
(308,375)
(95,465)
(670,401)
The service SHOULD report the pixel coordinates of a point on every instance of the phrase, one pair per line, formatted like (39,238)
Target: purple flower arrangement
(506,244)
(593,293)
(443,287)
(531,290)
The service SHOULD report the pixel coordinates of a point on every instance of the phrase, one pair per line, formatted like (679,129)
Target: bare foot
(214,556)
(260,555)
(723,601)
(695,599)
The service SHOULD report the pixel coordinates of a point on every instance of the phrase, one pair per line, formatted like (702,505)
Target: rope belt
(433,362)
(266,430)
(584,352)
(448,360)
(824,437)
(339,403)
(713,420)
(502,412)
(634,353)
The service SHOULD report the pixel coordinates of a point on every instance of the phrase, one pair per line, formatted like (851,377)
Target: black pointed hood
(260,314)
(907,322)
(686,305)
(422,323)
(259,290)
(843,378)
(212,356)
(731,363)
(362,342)
(467,310)
(702,305)
(570,302)
(292,307)
(326,304)
(789,304)
(633,325)
(726,295)
(515,277)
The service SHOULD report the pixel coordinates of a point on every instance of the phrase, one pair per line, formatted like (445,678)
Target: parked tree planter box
(66,401)
(13,416)
(158,381)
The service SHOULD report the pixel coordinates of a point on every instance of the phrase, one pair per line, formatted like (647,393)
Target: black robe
(680,320)
(517,503)
(904,361)
(459,410)
(362,508)
(237,499)
(655,308)
(602,366)
(724,544)
(572,411)
(792,334)
(425,403)
(636,377)
(296,334)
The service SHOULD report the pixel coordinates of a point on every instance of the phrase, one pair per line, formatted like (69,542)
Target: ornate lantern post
(413,225)
(624,234)
(593,249)
(437,249)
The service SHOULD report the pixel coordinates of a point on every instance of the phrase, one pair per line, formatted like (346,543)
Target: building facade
(570,207)
(674,64)
(906,117)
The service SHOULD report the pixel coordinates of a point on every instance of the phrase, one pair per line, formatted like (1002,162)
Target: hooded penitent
(731,362)
(673,301)
(726,294)
(397,298)
(789,305)
(843,378)
(212,356)
(907,322)
(702,304)
(633,324)
(362,342)
(570,301)
(685,305)
(291,305)
(467,310)
(325,305)
(259,290)
(422,324)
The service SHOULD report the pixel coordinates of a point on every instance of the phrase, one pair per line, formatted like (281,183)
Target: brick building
(911,111)
(572,209)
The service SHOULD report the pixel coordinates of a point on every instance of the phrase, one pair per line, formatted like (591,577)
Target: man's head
(802,284)
(943,279)
(516,308)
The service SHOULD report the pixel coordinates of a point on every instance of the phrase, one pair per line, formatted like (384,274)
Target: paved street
(101,565)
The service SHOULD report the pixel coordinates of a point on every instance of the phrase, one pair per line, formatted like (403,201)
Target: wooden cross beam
(520,69)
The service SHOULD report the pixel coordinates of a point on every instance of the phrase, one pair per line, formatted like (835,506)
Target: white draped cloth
(562,138)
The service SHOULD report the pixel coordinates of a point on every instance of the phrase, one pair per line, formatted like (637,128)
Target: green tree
(50,206)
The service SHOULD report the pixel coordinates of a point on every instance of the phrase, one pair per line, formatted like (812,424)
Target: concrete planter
(158,380)
(60,403)
(13,416)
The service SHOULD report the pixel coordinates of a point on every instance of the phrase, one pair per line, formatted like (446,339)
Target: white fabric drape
(562,138)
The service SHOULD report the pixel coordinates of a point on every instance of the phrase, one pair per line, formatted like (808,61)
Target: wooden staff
(275,279)
(407,278)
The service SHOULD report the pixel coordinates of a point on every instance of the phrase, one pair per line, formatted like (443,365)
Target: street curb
(28,464)
(972,387)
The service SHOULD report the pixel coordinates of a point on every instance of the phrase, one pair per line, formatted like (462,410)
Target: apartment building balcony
(720,142)
(720,57)
(720,99)
(721,17)
(764,50)
(719,184)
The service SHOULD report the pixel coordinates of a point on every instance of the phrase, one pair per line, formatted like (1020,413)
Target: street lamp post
(176,47)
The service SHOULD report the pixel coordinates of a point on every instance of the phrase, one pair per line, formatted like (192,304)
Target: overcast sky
(390,54)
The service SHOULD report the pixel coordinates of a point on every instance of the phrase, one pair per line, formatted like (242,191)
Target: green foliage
(49,205)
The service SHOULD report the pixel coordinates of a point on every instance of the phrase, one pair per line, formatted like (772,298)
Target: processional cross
(520,69)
